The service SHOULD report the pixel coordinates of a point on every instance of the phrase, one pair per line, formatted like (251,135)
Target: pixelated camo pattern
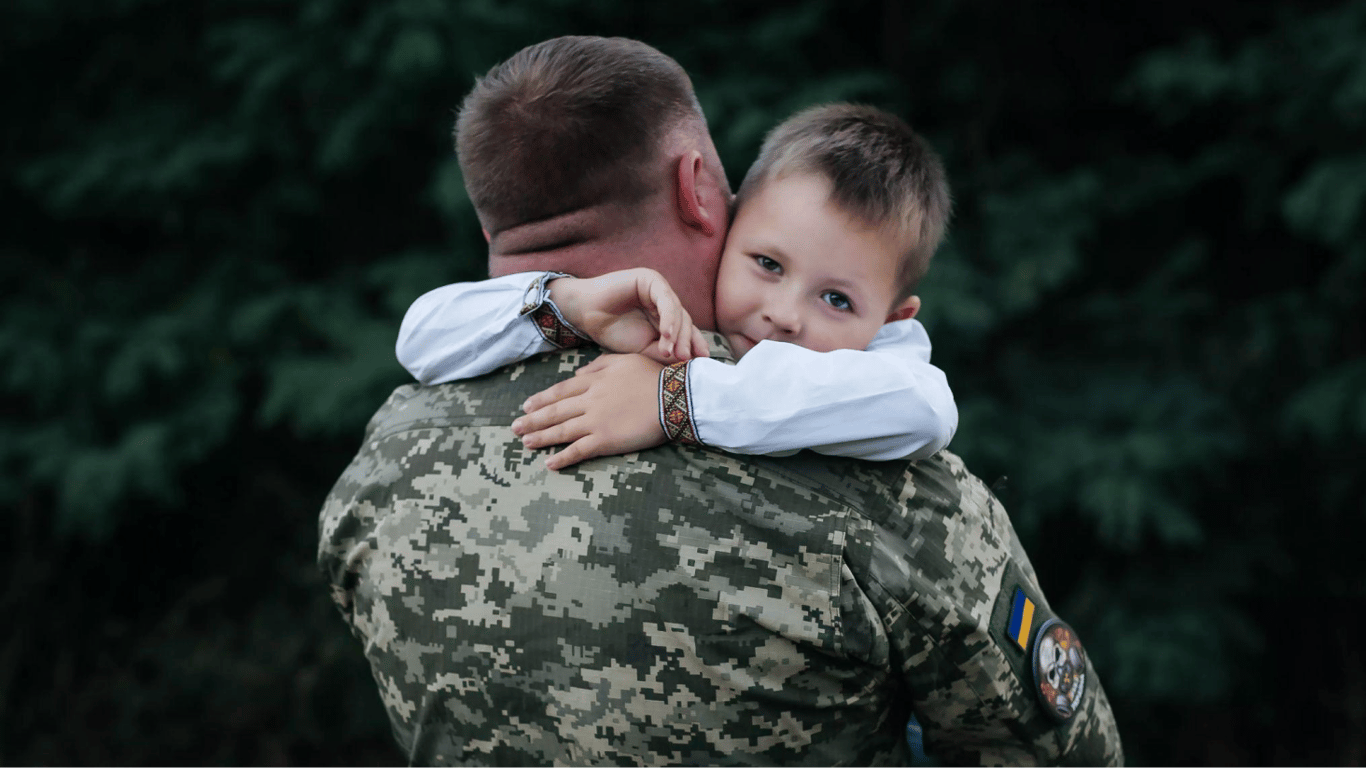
(676,606)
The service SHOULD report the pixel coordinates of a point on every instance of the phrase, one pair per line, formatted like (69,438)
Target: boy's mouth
(740,344)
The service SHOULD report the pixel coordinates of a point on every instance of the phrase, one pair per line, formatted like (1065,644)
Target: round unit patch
(1059,669)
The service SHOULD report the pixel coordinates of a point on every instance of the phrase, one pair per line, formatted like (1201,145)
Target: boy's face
(796,268)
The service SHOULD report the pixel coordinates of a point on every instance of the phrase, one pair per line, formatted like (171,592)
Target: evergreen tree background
(1150,309)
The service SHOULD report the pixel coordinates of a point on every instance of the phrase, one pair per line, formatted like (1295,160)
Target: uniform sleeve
(964,614)
(885,402)
(468,329)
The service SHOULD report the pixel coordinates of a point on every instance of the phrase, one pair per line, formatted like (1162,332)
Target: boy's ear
(692,210)
(905,310)
(487,239)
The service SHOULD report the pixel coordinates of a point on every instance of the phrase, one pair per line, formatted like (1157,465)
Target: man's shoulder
(494,398)
(888,493)
(941,544)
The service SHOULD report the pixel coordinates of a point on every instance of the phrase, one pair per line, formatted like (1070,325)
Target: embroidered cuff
(675,405)
(549,322)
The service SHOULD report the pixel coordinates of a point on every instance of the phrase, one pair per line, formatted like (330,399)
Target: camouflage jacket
(680,605)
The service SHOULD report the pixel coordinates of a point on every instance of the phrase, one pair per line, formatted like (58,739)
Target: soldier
(676,605)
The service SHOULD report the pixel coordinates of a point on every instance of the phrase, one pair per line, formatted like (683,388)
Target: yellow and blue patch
(1021,619)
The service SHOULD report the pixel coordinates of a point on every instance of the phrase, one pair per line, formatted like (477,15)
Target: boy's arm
(883,403)
(468,329)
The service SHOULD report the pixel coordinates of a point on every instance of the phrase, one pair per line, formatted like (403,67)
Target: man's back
(678,605)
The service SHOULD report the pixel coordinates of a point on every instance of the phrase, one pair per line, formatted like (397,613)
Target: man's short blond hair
(881,172)
(567,124)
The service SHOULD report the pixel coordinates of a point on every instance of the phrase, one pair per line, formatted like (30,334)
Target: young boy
(834,226)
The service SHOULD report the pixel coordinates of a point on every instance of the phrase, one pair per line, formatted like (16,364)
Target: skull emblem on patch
(1059,669)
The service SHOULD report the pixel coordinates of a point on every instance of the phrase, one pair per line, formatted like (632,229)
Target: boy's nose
(784,318)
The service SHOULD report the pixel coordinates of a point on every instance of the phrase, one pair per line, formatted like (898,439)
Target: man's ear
(905,310)
(487,239)
(693,211)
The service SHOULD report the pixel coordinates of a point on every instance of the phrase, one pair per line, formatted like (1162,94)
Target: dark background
(1150,309)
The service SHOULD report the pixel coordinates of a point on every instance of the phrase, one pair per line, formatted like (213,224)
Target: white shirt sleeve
(885,402)
(468,329)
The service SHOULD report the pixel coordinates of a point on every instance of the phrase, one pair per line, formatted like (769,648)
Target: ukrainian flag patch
(1021,619)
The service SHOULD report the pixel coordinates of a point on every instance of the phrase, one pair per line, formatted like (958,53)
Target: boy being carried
(834,227)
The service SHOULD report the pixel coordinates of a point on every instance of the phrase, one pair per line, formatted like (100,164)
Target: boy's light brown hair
(881,173)
(569,123)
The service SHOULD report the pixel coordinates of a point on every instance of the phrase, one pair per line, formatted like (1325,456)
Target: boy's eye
(768,264)
(838,300)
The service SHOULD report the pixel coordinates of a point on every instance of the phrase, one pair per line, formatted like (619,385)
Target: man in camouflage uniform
(679,605)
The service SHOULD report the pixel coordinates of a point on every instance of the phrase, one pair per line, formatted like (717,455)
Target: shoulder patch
(1045,653)
(1059,669)
(1015,618)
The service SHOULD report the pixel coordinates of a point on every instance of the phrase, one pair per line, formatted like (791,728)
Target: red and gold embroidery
(555,330)
(675,410)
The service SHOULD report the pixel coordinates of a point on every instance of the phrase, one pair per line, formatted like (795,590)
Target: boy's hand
(631,310)
(610,406)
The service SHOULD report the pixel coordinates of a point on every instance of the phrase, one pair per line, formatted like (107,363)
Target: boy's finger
(556,434)
(668,328)
(689,338)
(682,342)
(549,416)
(668,317)
(666,339)
(580,450)
(660,297)
(555,393)
(665,310)
(700,347)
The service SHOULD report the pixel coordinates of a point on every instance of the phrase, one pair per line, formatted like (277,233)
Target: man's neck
(586,243)
(557,233)
(589,242)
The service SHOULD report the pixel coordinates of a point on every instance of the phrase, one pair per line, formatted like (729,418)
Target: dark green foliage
(1150,309)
